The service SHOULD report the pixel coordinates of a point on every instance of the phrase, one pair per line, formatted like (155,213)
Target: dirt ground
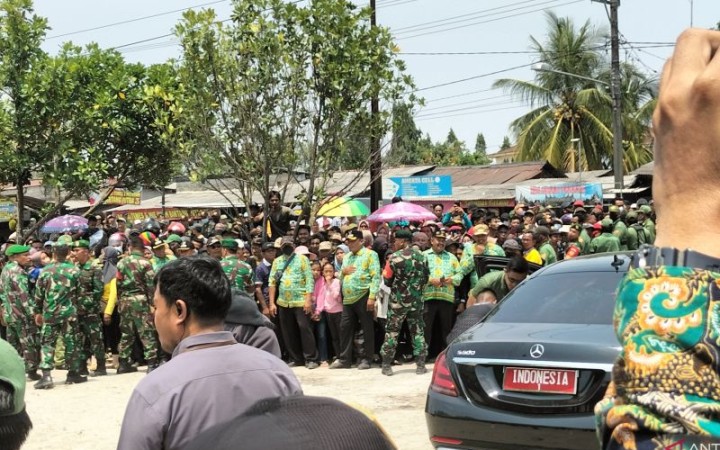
(89,416)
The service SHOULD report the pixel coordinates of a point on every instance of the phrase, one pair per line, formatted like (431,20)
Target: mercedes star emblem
(537,351)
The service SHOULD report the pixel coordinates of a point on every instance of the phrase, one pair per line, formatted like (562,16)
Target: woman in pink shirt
(328,309)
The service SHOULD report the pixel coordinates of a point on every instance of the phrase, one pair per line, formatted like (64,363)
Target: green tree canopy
(566,107)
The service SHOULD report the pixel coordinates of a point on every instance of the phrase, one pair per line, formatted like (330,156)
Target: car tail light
(442,381)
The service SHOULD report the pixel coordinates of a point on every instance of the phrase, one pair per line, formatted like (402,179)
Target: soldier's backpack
(642,236)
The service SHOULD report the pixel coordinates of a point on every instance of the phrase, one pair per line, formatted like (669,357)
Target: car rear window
(579,297)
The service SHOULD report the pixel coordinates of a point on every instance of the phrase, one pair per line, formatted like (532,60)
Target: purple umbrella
(402,211)
(65,223)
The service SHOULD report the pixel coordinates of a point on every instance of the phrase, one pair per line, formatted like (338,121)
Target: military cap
(480,229)
(230,244)
(184,246)
(645,209)
(64,240)
(440,235)
(542,231)
(353,235)
(614,208)
(631,215)
(173,238)
(157,243)
(606,223)
(16,249)
(403,234)
(12,372)
(82,243)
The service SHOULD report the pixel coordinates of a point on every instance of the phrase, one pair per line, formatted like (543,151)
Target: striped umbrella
(343,207)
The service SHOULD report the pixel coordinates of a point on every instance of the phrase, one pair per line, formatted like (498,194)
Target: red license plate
(548,381)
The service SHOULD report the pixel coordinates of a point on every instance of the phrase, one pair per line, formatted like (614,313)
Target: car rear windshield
(577,297)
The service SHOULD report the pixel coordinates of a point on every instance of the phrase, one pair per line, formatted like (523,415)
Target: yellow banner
(7,211)
(170,214)
(123,197)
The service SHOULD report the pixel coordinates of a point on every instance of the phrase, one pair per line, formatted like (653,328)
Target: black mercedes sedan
(529,375)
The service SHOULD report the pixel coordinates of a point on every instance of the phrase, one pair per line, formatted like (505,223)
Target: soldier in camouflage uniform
(55,293)
(135,291)
(89,311)
(406,273)
(239,272)
(18,310)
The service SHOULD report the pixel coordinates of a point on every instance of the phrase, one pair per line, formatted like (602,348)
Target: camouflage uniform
(135,293)
(89,311)
(158,263)
(406,273)
(239,272)
(18,308)
(55,292)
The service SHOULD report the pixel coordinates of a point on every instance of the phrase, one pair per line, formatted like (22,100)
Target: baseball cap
(213,241)
(223,217)
(173,238)
(511,244)
(480,229)
(81,243)
(12,372)
(440,235)
(578,203)
(268,246)
(645,209)
(325,245)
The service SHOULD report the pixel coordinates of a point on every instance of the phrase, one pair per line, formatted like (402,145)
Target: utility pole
(615,89)
(617,101)
(375,156)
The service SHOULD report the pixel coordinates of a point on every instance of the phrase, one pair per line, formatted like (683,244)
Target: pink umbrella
(401,211)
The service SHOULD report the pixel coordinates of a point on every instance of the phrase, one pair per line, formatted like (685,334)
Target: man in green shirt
(291,286)
(606,241)
(547,252)
(494,286)
(360,276)
(439,294)
(643,214)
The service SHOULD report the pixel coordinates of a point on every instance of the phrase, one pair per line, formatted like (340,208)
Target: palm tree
(566,108)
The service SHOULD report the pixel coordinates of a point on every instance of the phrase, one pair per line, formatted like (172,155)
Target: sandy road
(88,416)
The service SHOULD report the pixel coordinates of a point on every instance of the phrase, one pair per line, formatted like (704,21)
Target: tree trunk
(20,209)
(100,201)
(47,216)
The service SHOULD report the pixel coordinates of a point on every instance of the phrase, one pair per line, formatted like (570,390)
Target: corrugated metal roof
(646,169)
(497,174)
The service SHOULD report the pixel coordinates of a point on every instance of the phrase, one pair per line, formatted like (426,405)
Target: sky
(454,49)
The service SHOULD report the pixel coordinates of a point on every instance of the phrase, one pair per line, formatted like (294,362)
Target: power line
(470,113)
(136,19)
(448,19)
(464,94)
(470,108)
(475,77)
(409,35)
(469,102)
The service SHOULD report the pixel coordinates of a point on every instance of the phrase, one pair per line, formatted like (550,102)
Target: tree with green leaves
(283,87)
(567,107)
(505,143)
(405,137)
(76,119)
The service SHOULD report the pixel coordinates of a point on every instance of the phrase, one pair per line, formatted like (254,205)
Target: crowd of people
(335,292)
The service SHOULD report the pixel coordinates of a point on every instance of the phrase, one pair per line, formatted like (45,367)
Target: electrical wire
(136,19)
(465,114)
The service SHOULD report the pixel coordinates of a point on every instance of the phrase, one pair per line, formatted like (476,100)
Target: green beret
(403,234)
(230,244)
(16,249)
(173,238)
(82,243)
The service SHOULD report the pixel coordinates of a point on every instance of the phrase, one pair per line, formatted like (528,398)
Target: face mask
(287,250)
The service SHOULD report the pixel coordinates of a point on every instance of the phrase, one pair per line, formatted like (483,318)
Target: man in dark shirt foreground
(211,379)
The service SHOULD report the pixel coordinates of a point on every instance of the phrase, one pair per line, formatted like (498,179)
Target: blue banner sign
(421,186)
